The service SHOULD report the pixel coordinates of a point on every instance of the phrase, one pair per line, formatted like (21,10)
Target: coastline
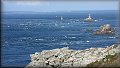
(65,57)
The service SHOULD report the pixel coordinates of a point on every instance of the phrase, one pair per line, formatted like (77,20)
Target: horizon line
(62,11)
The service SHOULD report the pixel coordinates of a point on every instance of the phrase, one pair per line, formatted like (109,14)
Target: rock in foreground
(65,57)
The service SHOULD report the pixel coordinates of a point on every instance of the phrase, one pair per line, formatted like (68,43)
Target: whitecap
(73,37)
(78,42)
(8,26)
(39,39)
(87,41)
(101,19)
(25,28)
(62,26)
(36,53)
(65,36)
(64,43)
(22,24)
(111,37)
(39,24)
(56,24)
(96,20)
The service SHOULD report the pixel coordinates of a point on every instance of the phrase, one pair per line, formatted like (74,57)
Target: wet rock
(105,29)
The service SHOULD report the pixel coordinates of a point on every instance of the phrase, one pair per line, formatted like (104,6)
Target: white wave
(111,37)
(8,26)
(56,24)
(96,20)
(73,34)
(73,37)
(78,42)
(65,36)
(22,24)
(62,26)
(68,23)
(87,41)
(39,39)
(101,19)
(63,43)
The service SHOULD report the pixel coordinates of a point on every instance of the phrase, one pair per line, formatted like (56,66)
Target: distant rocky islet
(105,29)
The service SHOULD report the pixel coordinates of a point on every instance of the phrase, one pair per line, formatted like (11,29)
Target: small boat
(61,18)
(89,19)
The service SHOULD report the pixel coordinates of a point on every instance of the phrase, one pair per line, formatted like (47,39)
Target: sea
(25,33)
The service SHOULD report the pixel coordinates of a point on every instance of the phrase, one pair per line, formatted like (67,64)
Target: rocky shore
(65,57)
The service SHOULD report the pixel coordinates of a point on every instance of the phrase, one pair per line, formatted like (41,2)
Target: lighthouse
(89,19)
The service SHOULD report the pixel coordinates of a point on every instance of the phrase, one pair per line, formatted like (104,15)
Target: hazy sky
(53,6)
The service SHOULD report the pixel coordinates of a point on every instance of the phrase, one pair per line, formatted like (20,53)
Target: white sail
(61,18)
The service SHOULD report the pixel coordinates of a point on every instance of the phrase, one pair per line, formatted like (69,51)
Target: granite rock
(65,57)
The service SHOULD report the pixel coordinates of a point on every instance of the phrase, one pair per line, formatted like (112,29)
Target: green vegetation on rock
(108,61)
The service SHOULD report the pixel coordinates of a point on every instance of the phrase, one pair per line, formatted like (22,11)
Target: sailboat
(61,18)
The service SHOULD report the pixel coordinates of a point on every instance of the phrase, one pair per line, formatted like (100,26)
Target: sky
(54,6)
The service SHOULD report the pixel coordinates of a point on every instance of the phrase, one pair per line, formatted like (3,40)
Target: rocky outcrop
(65,57)
(105,29)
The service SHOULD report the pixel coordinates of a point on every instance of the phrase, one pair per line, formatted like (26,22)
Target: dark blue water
(24,34)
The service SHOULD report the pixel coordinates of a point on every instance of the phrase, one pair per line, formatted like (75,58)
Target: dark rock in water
(89,30)
(105,29)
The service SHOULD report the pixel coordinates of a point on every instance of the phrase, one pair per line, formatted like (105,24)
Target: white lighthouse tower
(88,19)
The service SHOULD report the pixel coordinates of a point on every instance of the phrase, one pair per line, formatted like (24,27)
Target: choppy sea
(24,34)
